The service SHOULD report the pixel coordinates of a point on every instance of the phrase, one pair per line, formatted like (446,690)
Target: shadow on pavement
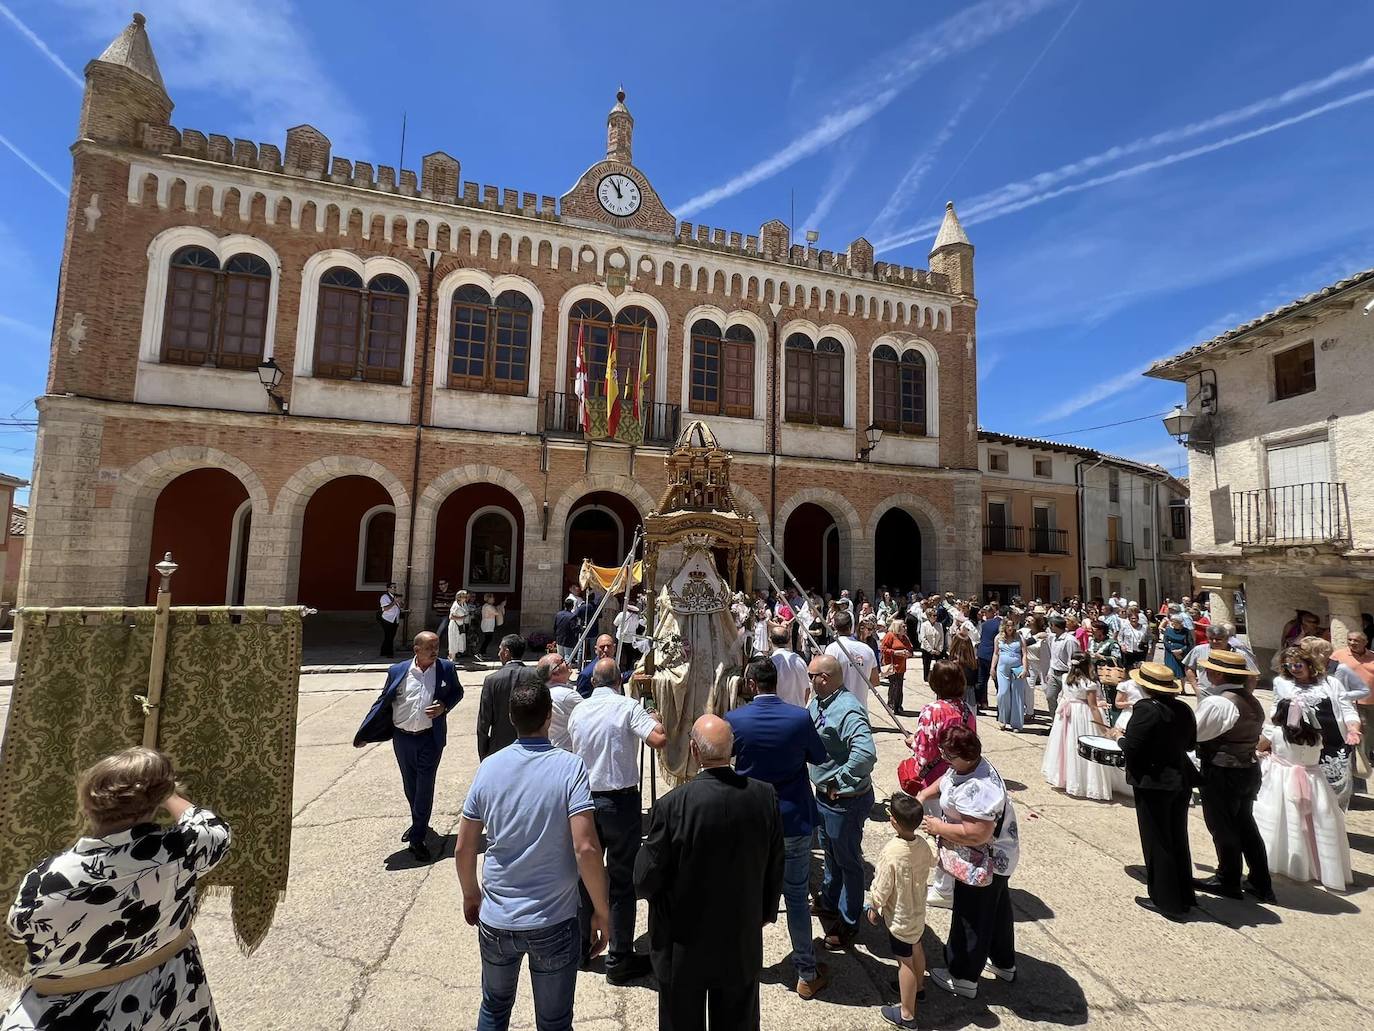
(1026,907)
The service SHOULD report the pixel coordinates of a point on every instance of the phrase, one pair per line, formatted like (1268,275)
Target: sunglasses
(819,673)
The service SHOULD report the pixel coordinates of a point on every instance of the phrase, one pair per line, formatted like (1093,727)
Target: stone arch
(852,539)
(288,512)
(633,491)
(135,499)
(427,512)
(929,520)
(750,505)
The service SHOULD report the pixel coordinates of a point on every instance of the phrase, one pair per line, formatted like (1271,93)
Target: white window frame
(494,286)
(567,529)
(160,252)
(237,544)
(315,267)
(903,344)
(468,583)
(851,359)
(725,320)
(359,583)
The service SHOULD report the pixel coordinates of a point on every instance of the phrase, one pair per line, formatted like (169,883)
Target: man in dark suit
(773,743)
(566,629)
(494,728)
(711,869)
(1156,744)
(411,713)
(604,649)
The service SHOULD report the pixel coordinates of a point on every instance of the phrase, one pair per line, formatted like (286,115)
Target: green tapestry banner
(228,721)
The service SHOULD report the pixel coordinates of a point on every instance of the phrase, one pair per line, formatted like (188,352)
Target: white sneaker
(943,979)
(1007,974)
(934,898)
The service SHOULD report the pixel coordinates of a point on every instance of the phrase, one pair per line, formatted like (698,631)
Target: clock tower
(613,191)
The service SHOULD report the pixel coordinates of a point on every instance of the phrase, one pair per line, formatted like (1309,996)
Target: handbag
(972,864)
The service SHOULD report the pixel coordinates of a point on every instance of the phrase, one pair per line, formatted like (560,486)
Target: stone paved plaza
(365,939)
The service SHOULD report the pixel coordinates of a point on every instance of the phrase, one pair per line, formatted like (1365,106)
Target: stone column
(1343,596)
(1221,604)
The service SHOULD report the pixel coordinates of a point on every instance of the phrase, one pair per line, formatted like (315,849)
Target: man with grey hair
(554,671)
(1196,673)
(605,730)
(712,869)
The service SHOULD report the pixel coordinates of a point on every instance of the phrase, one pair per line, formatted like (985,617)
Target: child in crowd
(1080,714)
(1297,812)
(898,897)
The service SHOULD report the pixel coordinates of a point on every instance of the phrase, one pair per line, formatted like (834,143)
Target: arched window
(491,553)
(376,538)
(360,333)
(491,341)
(899,390)
(815,380)
(592,323)
(215,316)
(722,370)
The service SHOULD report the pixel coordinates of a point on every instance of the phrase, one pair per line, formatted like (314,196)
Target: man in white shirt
(389,610)
(857,660)
(605,730)
(1063,648)
(1195,670)
(794,686)
(555,672)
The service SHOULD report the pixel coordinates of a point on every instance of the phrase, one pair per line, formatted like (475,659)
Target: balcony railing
(562,416)
(997,537)
(1302,513)
(1045,540)
(1120,555)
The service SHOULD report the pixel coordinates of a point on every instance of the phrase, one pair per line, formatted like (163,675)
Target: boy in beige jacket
(898,896)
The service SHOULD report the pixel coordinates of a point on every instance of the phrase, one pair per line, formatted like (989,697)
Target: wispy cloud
(10,323)
(41,46)
(987,363)
(840,174)
(917,171)
(34,165)
(255,57)
(1038,188)
(882,85)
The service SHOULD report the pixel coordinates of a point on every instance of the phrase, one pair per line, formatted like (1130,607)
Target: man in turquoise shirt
(844,796)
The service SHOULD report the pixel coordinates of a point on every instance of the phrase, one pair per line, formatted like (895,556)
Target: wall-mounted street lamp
(1196,430)
(269,373)
(874,433)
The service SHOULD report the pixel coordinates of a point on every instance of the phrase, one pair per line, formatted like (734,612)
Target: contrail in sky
(1014,197)
(953,36)
(839,177)
(42,47)
(34,165)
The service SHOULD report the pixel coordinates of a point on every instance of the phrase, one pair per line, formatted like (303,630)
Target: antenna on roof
(402,162)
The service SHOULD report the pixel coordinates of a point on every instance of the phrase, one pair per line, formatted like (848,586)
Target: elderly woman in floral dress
(107,924)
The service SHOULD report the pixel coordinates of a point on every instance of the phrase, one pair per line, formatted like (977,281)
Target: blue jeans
(554,955)
(796,884)
(842,833)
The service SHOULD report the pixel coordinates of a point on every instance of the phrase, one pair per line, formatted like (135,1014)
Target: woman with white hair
(1306,682)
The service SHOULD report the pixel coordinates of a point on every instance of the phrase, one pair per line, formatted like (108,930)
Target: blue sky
(1136,176)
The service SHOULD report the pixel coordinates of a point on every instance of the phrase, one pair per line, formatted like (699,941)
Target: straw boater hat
(1220,661)
(1154,676)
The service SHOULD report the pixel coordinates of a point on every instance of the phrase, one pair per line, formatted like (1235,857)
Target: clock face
(618,194)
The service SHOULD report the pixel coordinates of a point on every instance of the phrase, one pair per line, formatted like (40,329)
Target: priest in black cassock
(711,869)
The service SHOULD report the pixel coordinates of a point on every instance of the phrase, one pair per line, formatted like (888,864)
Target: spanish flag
(612,388)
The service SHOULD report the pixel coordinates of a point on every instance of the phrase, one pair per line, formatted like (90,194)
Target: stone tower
(952,254)
(620,127)
(123,89)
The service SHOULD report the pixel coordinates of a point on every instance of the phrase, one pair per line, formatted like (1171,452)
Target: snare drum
(1103,750)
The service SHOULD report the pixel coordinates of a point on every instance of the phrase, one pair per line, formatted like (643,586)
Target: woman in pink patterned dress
(948,709)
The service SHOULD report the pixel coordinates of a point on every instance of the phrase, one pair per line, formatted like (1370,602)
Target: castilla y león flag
(580,382)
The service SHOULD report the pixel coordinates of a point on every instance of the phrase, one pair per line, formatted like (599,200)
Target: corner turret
(620,127)
(952,254)
(124,89)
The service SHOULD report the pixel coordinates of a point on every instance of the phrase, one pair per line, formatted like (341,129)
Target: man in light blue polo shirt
(534,803)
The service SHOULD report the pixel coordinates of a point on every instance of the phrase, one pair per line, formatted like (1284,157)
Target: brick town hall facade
(424,425)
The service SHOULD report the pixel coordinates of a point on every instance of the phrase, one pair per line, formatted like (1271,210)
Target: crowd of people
(555,808)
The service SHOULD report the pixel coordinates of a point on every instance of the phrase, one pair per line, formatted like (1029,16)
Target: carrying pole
(838,640)
(625,569)
(157,663)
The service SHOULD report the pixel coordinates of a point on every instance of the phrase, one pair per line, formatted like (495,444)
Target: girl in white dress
(1079,714)
(1297,811)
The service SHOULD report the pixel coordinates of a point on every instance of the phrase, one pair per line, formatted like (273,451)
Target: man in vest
(1229,725)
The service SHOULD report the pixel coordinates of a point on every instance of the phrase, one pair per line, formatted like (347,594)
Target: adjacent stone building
(1281,437)
(304,374)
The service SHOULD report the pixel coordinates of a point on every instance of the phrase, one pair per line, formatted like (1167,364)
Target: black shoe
(1267,895)
(420,851)
(627,970)
(1214,886)
(1148,904)
(405,834)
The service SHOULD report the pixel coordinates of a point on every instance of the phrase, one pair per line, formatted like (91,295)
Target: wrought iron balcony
(998,537)
(1302,513)
(1120,555)
(562,416)
(1045,540)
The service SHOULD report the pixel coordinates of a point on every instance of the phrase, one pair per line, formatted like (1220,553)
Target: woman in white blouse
(1322,696)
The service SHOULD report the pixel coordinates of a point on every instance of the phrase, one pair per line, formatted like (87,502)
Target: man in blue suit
(411,712)
(774,741)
